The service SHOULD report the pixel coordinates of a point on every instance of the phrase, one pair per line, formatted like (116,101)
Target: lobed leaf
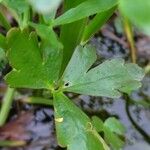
(108,79)
(74,128)
(30,68)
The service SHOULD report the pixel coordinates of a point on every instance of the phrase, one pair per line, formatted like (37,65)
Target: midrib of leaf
(86,83)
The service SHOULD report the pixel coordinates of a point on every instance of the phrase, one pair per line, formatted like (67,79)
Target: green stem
(129,35)
(25,19)
(6,105)
(38,100)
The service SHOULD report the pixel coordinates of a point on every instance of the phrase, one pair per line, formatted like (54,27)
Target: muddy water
(40,132)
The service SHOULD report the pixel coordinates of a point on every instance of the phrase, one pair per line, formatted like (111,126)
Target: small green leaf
(108,79)
(98,123)
(137,11)
(30,68)
(74,129)
(115,142)
(45,6)
(85,9)
(111,128)
(115,126)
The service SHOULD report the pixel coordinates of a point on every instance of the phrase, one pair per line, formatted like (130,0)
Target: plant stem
(38,100)
(12,143)
(129,35)
(6,104)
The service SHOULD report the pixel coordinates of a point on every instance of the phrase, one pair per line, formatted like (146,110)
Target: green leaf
(3,60)
(96,23)
(2,42)
(137,11)
(98,123)
(19,9)
(67,36)
(85,9)
(110,127)
(47,34)
(3,21)
(74,129)
(115,142)
(2,54)
(2,51)
(115,126)
(38,101)
(30,68)
(108,79)
(45,6)
(19,6)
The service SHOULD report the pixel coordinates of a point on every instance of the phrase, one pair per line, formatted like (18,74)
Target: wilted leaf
(74,129)
(108,79)
(31,68)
